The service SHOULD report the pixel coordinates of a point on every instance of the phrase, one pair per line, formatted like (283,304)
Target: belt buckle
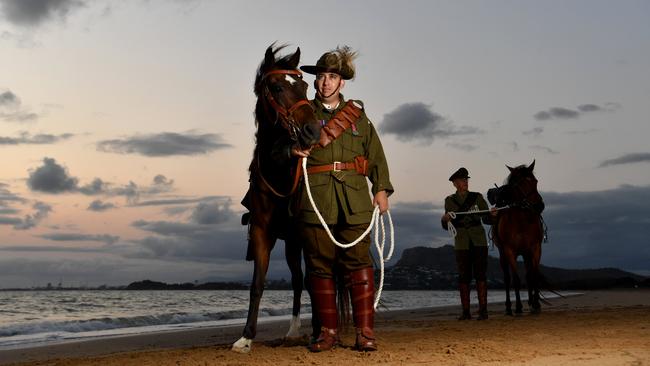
(336,167)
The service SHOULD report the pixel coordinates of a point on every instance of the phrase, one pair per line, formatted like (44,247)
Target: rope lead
(377,221)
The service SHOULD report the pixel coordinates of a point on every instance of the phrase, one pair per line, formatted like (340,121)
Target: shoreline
(270,332)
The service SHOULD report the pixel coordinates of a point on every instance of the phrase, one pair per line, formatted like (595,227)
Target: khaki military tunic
(469,228)
(343,196)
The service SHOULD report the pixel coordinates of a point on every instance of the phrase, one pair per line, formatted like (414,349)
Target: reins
(296,179)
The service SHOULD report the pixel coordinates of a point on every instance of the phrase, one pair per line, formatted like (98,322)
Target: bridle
(523,200)
(285,115)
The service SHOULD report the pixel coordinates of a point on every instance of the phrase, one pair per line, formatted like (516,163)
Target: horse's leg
(262,245)
(505,268)
(293,255)
(512,261)
(535,278)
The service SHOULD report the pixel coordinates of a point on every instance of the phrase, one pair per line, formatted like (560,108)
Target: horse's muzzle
(309,135)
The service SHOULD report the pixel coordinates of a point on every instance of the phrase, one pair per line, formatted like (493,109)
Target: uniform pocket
(357,194)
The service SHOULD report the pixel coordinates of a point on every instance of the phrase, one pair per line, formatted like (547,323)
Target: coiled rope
(377,221)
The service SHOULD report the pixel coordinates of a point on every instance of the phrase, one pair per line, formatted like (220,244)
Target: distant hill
(435,268)
(154,285)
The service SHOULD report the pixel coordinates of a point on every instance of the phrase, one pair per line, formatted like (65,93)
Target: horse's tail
(343,301)
(546,285)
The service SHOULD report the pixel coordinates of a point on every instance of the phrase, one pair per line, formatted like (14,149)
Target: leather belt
(337,166)
(359,164)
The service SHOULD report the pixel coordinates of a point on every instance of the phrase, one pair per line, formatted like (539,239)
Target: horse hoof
(243,345)
(509,312)
(519,311)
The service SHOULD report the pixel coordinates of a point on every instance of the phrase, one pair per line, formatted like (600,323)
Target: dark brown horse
(284,118)
(519,231)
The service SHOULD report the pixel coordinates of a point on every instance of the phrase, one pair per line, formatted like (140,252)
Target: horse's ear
(509,168)
(269,56)
(295,59)
(531,167)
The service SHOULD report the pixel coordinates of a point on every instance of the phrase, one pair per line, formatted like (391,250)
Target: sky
(127,127)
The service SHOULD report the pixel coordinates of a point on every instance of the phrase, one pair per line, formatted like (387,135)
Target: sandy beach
(596,328)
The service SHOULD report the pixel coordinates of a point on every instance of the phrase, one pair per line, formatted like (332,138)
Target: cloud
(54,178)
(165,144)
(51,178)
(41,211)
(104,238)
(39,139)
(35,12)
(11,109)
(207,213)
(418,122)
(543,148)
(20,40)
(461,146)
(535,132)
(213,230)
(99,206)
(568,113)
(627,159)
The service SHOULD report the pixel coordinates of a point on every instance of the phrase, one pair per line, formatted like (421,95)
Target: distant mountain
(422,268)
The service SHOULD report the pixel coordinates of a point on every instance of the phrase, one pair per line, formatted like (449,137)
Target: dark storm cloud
(104,238)
(544,148)
(39,139)
(35,12)
(627,159)
(418,122)
(165,144)
(99,206)
(568,113)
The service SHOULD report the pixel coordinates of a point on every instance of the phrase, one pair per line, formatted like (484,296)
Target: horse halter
(285,113)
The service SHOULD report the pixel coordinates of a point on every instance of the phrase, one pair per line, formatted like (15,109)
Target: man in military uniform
(337,172)
(470,243)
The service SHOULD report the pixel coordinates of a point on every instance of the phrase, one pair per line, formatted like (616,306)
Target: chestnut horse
(284,118)
(519,231)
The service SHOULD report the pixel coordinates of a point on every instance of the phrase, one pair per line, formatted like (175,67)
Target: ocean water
(30,318)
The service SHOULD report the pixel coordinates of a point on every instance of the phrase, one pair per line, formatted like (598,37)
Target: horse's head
(282,97)
(523,184)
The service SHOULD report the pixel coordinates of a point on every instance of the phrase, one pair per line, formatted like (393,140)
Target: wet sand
(596,328)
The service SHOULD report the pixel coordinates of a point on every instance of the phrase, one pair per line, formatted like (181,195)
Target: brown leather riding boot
(481,290)
(362,291)
(324,297)
(463,288)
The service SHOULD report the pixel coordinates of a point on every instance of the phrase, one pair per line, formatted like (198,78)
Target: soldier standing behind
(470,243)
(337,174)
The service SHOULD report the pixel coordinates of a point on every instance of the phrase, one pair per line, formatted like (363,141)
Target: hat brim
(451,179)
(314,70)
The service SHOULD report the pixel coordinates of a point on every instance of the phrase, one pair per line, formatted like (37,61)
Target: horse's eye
(276,88)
